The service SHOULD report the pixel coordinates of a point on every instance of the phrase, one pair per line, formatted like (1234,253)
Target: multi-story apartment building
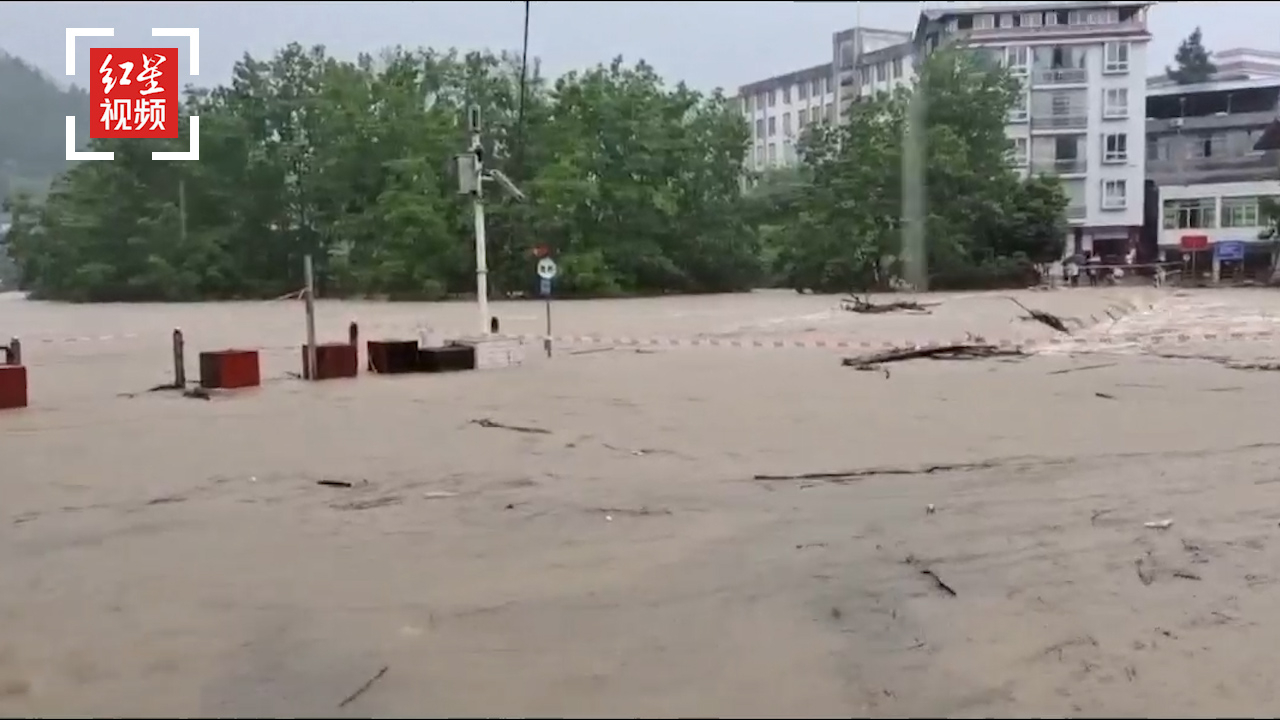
(1081,117)
(778,109)
(867,60)
(1205,171)
(864,60)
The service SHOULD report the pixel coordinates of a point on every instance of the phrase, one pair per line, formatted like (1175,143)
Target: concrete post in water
(353,338)
(309,278)
(15,351)
(179,360)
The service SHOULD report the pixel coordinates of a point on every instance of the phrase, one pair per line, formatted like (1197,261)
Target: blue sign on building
(1229,250)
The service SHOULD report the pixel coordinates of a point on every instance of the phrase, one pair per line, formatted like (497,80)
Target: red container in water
(229,369)
(13,387)
(333,360)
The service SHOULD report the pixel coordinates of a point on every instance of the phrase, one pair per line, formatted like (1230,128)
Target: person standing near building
(1072,268)
(1092,261)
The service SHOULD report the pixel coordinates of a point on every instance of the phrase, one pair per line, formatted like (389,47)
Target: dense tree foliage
(1192,62)
(984,224)
(636,185)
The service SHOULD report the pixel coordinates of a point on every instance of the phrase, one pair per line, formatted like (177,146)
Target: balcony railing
(1076,212)
(1062,166)
(1250,120)
(1041,31)
(1060,121)
(1061,76)
(1251,167)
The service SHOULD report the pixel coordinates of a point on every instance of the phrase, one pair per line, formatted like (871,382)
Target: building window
(1114,194)
(1192,214)
(802,118)
(773,97)
(882,72)
(1115,148)
(786,94)
(1018,152)
(1017,59)
(1116,103)
(826,86)
(760,129)
(786,124)
(864,75)
(773,126)
(1018,113)
(831,112)
(760,157)
(773,154)
(802,90)
(1240,212)
(1116,58)
(897,68)
(816,88)
(1032,19)
(984,22)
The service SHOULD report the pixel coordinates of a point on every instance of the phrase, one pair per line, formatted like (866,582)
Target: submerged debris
(1044,318)
(960,351)
(866,307)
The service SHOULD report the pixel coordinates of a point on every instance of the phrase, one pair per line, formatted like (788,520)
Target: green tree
(1192,63)
(635,184)
(982,220)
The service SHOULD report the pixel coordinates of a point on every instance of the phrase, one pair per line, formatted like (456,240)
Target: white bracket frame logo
(192,34)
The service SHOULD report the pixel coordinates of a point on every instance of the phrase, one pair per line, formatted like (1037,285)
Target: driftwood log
(866,307)
(960,351)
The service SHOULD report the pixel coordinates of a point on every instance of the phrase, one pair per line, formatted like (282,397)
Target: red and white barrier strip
(838,344)
(817,343)
(81,338)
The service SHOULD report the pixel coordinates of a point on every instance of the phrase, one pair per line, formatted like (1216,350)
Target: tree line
(637,185)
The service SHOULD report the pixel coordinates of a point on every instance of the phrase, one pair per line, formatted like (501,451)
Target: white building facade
(1084,68)
(778,109)
(863,61)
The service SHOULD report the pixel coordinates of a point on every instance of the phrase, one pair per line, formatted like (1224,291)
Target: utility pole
(477,204)
(471,179)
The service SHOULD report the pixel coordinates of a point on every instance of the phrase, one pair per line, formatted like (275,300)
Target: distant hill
(32,126)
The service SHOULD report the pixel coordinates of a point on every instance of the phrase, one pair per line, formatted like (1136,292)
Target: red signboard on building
(1195,242)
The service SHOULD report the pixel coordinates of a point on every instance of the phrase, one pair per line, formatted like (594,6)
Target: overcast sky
(706,44)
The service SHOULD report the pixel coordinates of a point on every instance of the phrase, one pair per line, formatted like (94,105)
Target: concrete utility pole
(471,179)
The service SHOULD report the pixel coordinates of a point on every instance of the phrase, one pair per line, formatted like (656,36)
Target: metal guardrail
(1061,76)
(1060,166)
(1060,121)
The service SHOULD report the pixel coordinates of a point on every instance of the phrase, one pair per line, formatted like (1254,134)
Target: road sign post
(546,273)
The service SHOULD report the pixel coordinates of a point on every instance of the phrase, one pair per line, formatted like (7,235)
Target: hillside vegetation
(32,134)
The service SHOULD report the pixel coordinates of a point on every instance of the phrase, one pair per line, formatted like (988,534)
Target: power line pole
(471,179)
